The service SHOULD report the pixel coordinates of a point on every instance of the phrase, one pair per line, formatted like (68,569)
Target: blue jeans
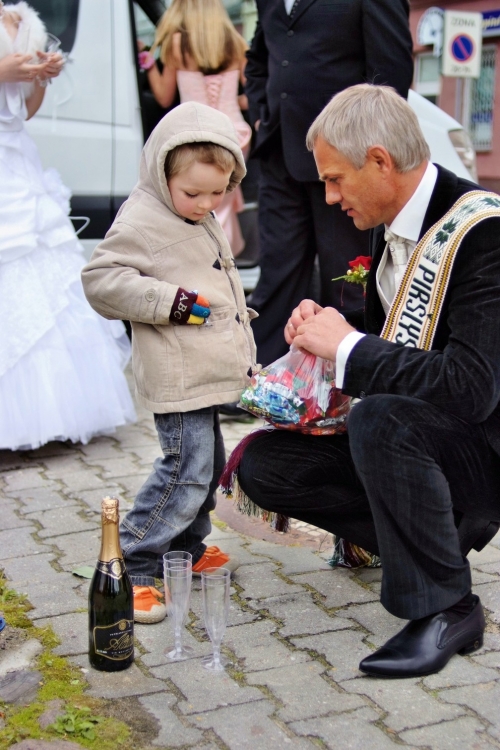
(171,510)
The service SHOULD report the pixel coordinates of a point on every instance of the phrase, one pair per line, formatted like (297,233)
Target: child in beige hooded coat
(166,266)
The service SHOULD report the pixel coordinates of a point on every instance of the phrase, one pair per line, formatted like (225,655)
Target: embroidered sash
(414,314)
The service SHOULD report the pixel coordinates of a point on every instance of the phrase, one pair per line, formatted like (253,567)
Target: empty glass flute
(215,583)
(177,573)
(52,45)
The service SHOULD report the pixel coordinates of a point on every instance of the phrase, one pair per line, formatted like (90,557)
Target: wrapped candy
(297,392)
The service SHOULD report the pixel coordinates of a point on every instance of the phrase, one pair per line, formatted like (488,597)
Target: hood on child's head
(188,123)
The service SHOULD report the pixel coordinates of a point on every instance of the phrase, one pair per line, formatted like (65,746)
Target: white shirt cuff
(345,348)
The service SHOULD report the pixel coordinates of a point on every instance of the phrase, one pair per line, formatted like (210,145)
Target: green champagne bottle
(111,600)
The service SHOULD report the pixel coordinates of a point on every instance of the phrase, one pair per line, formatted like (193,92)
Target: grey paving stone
(203,690)
(23,479)
(78,548)
(369,575)
(460,671)
(483,699)
(377,620)
(292,559)
(62,521)
(132,436)
(146,454)
(249,727)
(173,733)
(10,520)
(258,648)
(260,581)
(93,498)
(493,568)
(489,554)
(407,705)
(78,479)
(111,685)
(490,597)
(300,615)
(101,447)
(303,692)
(237,546)
(47,497)
(491,640)
(219,536)
(131,484)
(108,468)
(55,598)
(491,659)
(72,630)
(237,615)
(24,571)
(158,639)
(352,731)
(343,649)
(465,733)
(338,586)
(20,543)
(480,576)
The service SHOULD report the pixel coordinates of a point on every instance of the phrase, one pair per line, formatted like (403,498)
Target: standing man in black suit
(304,52)
(416,479)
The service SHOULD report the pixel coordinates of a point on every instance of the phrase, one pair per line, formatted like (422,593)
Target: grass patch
(83,718)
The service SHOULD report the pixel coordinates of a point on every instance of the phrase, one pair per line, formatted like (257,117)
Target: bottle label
(116,641)
(114,568)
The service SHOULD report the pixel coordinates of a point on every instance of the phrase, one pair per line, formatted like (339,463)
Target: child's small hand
(189,308)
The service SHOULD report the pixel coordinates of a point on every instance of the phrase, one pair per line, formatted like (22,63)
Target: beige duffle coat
(149,252)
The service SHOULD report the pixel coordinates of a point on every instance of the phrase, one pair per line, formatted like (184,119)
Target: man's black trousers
(394,485)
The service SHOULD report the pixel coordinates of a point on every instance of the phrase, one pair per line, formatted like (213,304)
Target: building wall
(453,91)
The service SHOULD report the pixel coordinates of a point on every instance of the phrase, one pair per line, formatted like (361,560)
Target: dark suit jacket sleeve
(388,44)
(461,374)
(256,75)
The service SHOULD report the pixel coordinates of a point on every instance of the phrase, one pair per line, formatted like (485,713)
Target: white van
(99,111)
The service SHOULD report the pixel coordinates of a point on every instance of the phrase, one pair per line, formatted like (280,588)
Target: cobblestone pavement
(296,634)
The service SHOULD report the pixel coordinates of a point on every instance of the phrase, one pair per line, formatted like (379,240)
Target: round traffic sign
(462,47)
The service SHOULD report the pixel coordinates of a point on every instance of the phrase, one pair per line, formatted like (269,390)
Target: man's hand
(319,333)
(306,309)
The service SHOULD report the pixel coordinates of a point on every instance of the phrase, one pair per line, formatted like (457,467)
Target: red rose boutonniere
(358,271)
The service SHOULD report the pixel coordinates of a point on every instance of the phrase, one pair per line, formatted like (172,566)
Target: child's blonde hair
(208,36)
(182,157)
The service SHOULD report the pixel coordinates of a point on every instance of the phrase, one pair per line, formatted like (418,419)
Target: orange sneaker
(148,605)
(213,557)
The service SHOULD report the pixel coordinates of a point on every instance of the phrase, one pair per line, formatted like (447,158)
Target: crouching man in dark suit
(416,479)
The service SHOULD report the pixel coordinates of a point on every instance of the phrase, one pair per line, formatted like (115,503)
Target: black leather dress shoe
(425,646)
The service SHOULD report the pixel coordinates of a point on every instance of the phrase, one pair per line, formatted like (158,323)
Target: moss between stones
(60,680)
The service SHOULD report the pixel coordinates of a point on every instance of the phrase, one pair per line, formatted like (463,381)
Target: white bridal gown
(61,364)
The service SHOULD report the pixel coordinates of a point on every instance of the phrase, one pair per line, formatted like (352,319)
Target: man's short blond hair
(365,115)
(182,157)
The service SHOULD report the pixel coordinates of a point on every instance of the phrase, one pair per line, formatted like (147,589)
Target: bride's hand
(52,64)
(17,68)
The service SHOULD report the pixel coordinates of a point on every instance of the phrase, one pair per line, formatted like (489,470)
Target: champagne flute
(215,583)
(177,573)
(52,45)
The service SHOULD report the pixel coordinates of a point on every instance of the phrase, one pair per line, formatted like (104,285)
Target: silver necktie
(400,250)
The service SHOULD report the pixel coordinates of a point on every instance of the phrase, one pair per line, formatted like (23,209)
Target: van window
(60,17)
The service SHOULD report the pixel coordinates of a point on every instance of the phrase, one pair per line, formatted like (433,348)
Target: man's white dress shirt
(407,225)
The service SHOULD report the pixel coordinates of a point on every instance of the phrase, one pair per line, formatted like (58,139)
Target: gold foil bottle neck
(109,507)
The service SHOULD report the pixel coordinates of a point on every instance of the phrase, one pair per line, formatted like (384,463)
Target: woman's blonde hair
(208,36)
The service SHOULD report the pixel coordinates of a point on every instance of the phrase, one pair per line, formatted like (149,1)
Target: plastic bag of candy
(297,392)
